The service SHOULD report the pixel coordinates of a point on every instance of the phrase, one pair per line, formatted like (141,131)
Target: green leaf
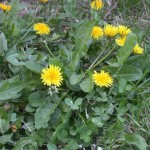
(55,61)
(20,60)
(15,59)
(5,138)
(37,98)
(136,140)
(54,37)
(97,121)
(78,101)
(121,85)
(13,117)
(85,133)
(87,85)
(82,37)
(75,79)
(10,88)
(69,102)
(37,68)
(4,125)
(73,87)
(51,146)
(30,109)
(3,44)
(75,105)
(72,145)
(130,73)
(73,130)
(125,51)
(123,108)
(4,121)
(2,17)
(3,114)
(42,115)
(147,67)
(25,141)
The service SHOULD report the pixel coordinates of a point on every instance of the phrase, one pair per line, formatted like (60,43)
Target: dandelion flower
(97,32)
(137,49)
(5,7)
(120,41)
(52,76)
(41,28)
(123,30)
(102,79)
(110,30)
(97,4)
(43,1)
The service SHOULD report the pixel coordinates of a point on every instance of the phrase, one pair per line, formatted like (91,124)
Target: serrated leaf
(14,59)
(11,87)
(83,34)
(82,37)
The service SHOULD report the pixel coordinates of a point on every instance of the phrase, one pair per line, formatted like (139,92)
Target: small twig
(86,114)
(45,43)
(27,126)
(1,127)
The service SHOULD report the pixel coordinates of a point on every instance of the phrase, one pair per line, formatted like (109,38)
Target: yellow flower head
(120,41)
(123,30)
(43,1)
(102,79)
(5,7)
(137,49)
(52,76)
(110,30)
(97,4)
(97,32)
(41,28)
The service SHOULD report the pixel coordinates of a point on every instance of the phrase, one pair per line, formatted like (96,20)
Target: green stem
(4,20)
(26,33)
(29,24)
(48,49)
(141,84)
(81,118)
(140,79)
(104,57)
(65,120)
(109,43)
(96,59)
